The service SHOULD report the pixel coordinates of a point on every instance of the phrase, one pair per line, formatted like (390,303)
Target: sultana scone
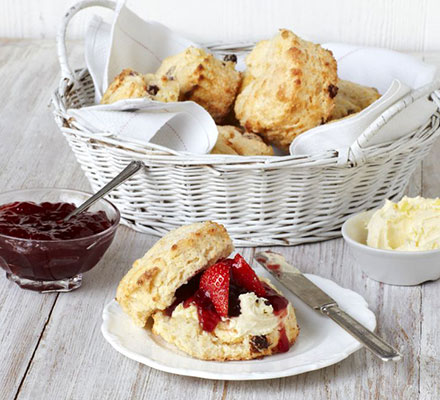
(352,98)
(209,306)
(210,82)
(151,283)
(127,85)
(160,88)
(261,328)
(130,84)
(289,87)
(233,140)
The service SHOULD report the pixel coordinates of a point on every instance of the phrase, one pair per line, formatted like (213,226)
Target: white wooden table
(51,345)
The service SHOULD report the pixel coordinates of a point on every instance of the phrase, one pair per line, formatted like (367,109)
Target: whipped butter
(412,224)
(256,317)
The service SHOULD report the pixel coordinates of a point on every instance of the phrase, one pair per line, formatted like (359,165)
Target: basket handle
(359,147)
(66,71)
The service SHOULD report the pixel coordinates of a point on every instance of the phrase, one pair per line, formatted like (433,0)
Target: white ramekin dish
(389,266)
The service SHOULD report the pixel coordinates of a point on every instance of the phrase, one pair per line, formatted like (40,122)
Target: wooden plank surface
(30,148)
(52,347)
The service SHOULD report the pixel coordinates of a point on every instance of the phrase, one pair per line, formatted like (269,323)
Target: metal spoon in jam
(126,173)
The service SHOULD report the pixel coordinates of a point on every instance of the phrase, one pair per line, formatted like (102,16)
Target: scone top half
(151,283)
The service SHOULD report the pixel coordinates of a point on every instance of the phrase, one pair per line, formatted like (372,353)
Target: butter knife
(314,297)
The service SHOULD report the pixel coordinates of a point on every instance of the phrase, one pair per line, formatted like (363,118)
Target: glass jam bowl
(55,264)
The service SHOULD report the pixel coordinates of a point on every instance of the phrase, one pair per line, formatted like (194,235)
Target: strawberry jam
(208,317)
(278,302)
(192,293)
(28,220)
(184,293)
(36,244)
(283,342)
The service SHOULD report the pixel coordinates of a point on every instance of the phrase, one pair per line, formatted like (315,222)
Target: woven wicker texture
(261,200)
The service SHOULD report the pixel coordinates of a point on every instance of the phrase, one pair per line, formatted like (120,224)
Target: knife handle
(369,339)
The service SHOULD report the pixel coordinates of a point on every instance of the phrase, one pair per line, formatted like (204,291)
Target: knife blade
(314,297)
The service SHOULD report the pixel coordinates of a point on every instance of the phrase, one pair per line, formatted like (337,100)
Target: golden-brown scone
(127,85)
(230,340)
(151,283)
(352,98)
(160,88)
(130,84)
(288,88)
(233,140)
(204,79)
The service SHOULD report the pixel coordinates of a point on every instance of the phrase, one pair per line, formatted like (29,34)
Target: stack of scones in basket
(289,86)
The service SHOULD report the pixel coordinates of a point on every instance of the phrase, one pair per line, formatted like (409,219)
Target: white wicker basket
(261,200)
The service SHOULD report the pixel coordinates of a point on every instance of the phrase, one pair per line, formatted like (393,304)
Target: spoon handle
(128,171)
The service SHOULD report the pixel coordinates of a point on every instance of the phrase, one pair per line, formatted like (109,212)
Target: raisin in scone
(289,87)
(130,84)
(352,98)
(208,81)
(207,305)
(235,141)
(160,88)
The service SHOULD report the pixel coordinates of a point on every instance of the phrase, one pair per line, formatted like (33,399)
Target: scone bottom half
(228,313)
(207,305)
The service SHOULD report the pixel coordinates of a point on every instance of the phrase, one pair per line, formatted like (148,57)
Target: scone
(208,306)
(228,313)
(127,85)
(352,98)
(204,79)
(233,140)
(259,327)
(130,84)
(289,87)
(160,88)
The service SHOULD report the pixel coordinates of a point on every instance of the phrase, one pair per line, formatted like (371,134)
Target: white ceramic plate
(320,343)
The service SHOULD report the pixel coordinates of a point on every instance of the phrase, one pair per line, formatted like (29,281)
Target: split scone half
(208,81)
(289,87)
(209,306)
(130,84)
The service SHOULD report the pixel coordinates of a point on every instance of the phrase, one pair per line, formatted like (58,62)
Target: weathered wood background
(51,346)
(399,24)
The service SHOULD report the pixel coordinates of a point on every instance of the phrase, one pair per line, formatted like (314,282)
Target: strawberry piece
(215,283)
(245,276)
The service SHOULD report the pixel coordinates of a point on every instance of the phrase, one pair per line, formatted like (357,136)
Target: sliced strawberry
(245,276)
(215,283)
